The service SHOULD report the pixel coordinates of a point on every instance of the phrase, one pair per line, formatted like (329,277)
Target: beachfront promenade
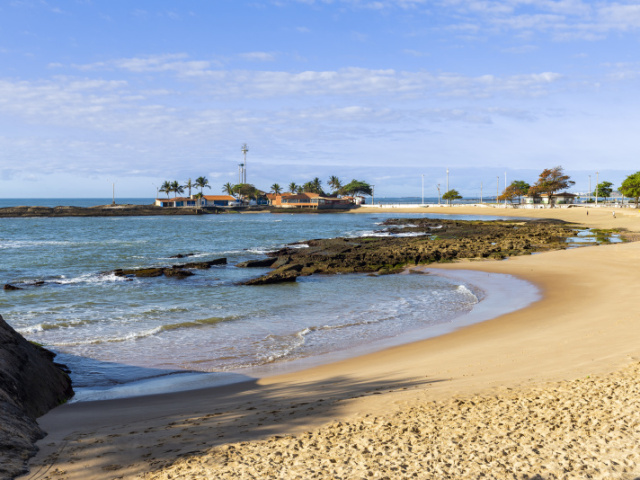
(549,391)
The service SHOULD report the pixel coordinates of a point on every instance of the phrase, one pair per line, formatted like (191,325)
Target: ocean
(112,331)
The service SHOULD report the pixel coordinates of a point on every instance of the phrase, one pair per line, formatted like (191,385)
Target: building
(206,201)
(308,200)
(176,202)
(557,199)
(219,201)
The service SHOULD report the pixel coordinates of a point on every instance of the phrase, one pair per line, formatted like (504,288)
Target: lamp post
(589,195)
(373,197)
(597,181)
(480,193)
(497,188)
(438,187)
(157,191)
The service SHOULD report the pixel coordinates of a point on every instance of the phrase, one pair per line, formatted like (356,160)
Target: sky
(97,93)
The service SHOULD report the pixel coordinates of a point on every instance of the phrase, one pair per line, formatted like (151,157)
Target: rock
(203,265)
(182,255)
(30,385)
(140,272)
(8,286)
(178,273)
(274,277)
(265,262)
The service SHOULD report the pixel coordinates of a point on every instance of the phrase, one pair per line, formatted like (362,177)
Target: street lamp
(373,197)
(438,186)
(597,181)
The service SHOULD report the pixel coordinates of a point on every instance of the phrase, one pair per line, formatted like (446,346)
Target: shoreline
(492,304)
(583,325)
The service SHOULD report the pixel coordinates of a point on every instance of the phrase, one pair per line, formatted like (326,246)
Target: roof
(219,197)
(175,199)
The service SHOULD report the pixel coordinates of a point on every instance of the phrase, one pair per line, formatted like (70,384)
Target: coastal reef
(101,211)
(31,384)
(407,242)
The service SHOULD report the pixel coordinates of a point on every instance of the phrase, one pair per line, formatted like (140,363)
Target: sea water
(112,331)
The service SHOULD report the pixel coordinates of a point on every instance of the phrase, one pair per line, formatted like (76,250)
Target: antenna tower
(244,150)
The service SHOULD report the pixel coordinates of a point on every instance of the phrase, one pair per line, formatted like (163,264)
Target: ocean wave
(44,326)
(98,341)
(468,293)
(92,278)
(194,323)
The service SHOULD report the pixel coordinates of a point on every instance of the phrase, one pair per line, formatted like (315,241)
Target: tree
(189,185)
(247,190)
(451,195)
(293,188)
(356,187)
(516,189)
(335,183)
(202,183)
(275,188)
(176,187)
(550,181)
(166,188)
(314,186)
(228,189)
(631,187)
(603,189)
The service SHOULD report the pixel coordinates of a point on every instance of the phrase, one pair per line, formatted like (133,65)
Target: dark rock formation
(413,242)
(264,262)
(30,385)
(8,286)
(176,271)
(278,276)
(102,211)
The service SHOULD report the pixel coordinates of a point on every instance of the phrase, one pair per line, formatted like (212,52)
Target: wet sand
(545,392)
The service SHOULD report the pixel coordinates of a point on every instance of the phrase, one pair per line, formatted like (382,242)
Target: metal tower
(244,150)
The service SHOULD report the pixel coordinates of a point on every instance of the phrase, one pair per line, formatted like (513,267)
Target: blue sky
(137,92)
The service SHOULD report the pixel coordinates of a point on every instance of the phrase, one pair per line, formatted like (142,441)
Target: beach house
(308,200)
(543,199)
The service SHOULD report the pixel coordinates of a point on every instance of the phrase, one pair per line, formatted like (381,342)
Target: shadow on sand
(122,438)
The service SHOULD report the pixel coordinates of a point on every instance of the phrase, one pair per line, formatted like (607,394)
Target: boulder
(30,385)
(8,286)
(264,263)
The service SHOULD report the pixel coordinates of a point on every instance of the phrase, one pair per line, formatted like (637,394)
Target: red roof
(219,197)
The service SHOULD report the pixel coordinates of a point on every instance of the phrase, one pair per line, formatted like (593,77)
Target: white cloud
(259,56)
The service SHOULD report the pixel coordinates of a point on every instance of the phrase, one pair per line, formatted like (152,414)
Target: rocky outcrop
(102,211)
(175,271)
(30,385)
(407,242)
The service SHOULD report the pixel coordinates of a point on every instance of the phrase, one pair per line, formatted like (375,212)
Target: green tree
(176,187)
(516,189)
(335,183)
(631,187)
(603,190)
(228,189)
(356,187)
(166,188)
(275,188)
(189,185)
(451,195)
(246,190)
(293,188)
(202,183)
(550,181)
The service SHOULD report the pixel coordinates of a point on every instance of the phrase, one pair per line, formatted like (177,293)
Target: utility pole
(423,189)
(597,181)
(505,187)
(438,186)
(373,197)
(244,150)
(447,179)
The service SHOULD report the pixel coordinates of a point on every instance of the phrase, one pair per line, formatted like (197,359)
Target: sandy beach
(549,391)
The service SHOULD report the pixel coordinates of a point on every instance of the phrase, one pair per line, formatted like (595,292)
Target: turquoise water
(112,331)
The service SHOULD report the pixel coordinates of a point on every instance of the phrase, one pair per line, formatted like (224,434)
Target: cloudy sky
(137,92)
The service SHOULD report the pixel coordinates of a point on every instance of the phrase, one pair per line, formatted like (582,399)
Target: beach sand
(549,391)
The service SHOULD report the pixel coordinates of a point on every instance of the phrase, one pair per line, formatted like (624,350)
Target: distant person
(587,213)
(614,214)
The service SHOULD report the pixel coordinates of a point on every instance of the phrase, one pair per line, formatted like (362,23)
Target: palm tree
(202,183)
(275,188)
(299,189)
(293,188)
(189,185)
(228,188)
(316,183)
(335,183)
(176,187)
(166,187)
